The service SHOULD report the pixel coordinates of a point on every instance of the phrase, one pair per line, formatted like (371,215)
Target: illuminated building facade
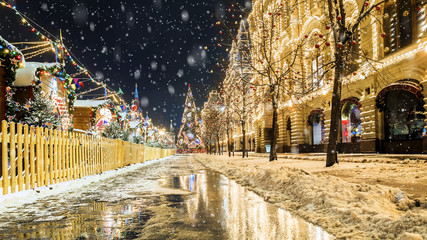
(383,99)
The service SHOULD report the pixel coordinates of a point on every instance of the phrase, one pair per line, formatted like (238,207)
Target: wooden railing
(33,157)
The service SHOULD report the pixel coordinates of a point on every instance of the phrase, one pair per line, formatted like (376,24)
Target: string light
(33,28)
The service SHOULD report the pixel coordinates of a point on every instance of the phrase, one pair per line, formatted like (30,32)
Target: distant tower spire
(171,129)
(136,96)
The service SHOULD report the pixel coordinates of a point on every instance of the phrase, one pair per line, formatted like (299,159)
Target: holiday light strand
(26,21)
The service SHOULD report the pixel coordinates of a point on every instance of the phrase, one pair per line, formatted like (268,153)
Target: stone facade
(397,72)
(383,99)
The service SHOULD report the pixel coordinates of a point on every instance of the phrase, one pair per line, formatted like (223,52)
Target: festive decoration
(189,133)
(40,112)
(116,131)
(11,59)
(116,110)
(57,47)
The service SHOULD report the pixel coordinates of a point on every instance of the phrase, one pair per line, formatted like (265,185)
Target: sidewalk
(369,196)
(405,171)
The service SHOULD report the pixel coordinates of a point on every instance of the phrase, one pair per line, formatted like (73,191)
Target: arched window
(403,115)
(351,123)
(316,121)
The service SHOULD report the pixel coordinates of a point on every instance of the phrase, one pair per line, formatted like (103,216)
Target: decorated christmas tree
(40,112)
(189,132)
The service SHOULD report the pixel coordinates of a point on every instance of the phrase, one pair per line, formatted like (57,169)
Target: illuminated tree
(189,132)
(213,127)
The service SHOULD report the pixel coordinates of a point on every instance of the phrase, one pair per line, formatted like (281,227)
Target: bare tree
(239,87)
(228,115)
(211,117)
(344,36)
(276,73)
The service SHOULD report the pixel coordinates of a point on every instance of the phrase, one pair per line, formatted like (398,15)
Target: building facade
(384,92)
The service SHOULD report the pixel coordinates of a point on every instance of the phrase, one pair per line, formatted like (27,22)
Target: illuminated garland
(58,72)
(114,107)
(11,58)
(61,47)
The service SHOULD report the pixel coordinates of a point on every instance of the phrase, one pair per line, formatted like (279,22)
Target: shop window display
(351,123)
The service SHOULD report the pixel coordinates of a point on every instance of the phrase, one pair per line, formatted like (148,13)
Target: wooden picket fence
(33,157)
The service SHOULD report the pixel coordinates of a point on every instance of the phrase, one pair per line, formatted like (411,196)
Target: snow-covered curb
(347,210)
(33,195)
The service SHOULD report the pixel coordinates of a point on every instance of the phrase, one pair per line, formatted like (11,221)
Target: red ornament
(354,42)
(383,35)
(338,18)
(327,44)
(366,4)
(316,46)
(378,8)
(328,27)
(339,45)
(306,36)
(320,35)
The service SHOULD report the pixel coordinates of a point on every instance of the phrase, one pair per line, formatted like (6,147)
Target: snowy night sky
(159,44)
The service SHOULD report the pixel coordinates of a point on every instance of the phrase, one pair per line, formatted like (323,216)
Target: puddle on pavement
(219,208)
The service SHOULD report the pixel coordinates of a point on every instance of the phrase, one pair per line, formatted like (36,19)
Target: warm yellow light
(425,48)
(23,20)
(324,92)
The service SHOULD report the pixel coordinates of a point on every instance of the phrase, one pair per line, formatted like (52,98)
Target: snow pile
(347,210)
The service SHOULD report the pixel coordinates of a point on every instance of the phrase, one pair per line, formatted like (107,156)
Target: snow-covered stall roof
(89,103)
(26,75)
(4,42)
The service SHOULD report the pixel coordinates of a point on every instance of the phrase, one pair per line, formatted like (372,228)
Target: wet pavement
(174,198)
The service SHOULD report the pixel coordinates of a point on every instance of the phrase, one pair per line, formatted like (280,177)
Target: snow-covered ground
(355,199)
